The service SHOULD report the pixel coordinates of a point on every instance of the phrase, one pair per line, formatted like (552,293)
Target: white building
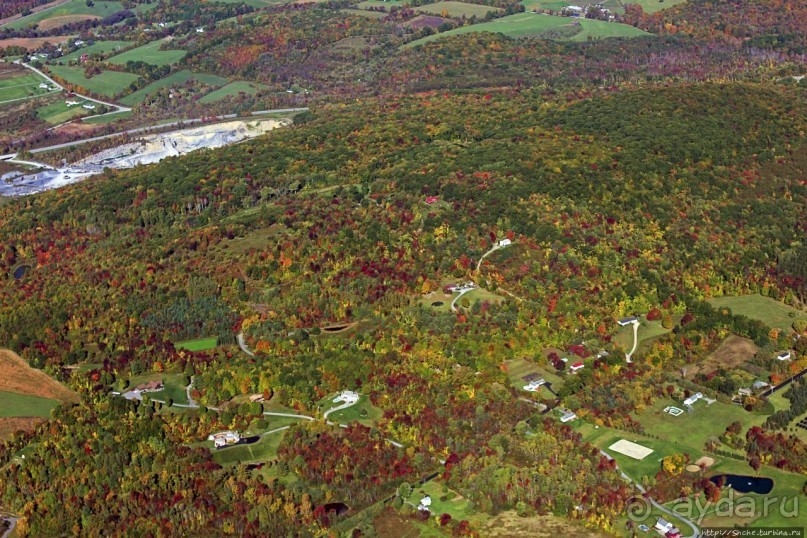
(71,103)
(692,399)
(628,321)
(347,396)
(783,356)
(222,439)
(568,416)
(88,107)
(425,503)
(504,243)
(533,386)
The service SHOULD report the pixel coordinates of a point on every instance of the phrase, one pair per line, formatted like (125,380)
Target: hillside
(18,377)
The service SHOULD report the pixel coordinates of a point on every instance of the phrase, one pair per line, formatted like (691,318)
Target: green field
(362,411)
(457,9)
(694,429)
(648,6)
(532,24)
(58,112)
(151,54)
(102,120)
(231,90)
(99,47)
(252,3)
(648,331)
(263,450)
(518,368)
(364,13)
(454,504)
(74,7)
(381,3)
(767,310)
(201,344)
(108,83)
(22,86)
(175,79)
(23,405)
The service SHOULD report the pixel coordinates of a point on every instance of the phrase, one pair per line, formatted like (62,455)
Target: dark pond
(334,328)
(744,484)
(437,303)
(339,508)
(20,271)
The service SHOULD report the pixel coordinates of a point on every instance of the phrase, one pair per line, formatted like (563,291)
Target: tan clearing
(631,449)
(58,22)
(9,425)
(705,462)
(732,352)
(17,376)
(509,524)
(33,43)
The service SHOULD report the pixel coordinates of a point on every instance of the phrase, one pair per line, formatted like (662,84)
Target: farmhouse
(628,321)
(664,526)
(692,399)
(504,243)
(533,386)
(568,416)
(222,439)
(43,86)
(759,385)
(88,107)
(151,386)
(425,503)
(71,103)
(783,356)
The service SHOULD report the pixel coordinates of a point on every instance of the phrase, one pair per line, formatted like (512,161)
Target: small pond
(20,271)
(437,303)
(745,484)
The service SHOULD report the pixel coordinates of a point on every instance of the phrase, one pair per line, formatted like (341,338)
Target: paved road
(635,341)
(161,126)
(188,389)
(13,521)
(695,531)
(493,249)
(243,345)
(337,408)
(290,415)
(461,293)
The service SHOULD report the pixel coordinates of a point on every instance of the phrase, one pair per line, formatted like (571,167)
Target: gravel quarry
(149,149)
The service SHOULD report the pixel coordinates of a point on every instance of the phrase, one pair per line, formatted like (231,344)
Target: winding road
(493,249)
(661,508)
(243,345)
(629,354)
(13,521)
(460,294)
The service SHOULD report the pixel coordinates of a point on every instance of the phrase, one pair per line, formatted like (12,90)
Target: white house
(568,416)
(347,396)
(222,439)
(71,103)
(628,321)
(504,243)
(425,503)
(574,9)
(692,399)
(78,42)
(533,386)
(783,356)
(666,528)
(200,30)
(43,86)
(88,107)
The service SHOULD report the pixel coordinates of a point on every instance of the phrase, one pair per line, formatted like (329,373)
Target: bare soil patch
(33,43)
(76,128)
(509,524)
(705,461)
(17,376)
(732,352)
(58,22)
(14,424)
(390,524)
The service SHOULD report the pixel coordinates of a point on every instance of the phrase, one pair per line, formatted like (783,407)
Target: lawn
(264,449)
(252,3)
(767,310)
(518,368)
(480,295)
(175,79)
(457,9)
(533,24)
(173,386)
(454,504)
(150,54)
(363,412)
(26,84)
(108,83)
(694,429)
(99,47)
(58,112)
(24,405)
(232,89)
(202,344)
(648,331)
(364,13)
